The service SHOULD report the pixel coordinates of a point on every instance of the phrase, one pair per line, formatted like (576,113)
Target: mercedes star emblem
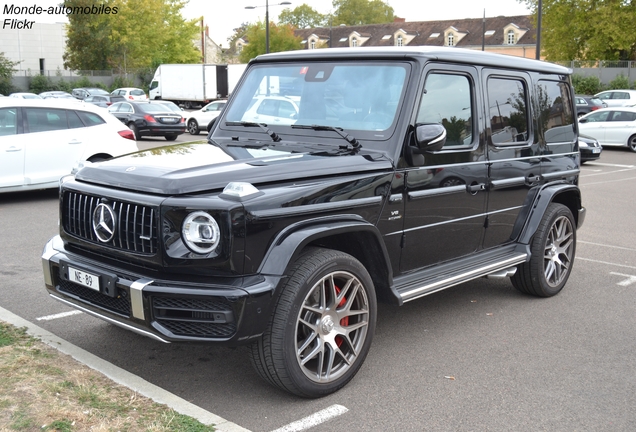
(104,223)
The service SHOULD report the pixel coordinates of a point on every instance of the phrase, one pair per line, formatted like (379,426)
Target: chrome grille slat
(132,222)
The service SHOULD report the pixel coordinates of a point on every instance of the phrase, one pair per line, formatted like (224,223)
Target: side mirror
(430,137)
(582,120)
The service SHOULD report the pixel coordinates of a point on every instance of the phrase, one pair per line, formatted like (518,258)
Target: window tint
(8,121)
(623,116)
(74,120)
(448,101)
(90,119)
(556,118)
(597,116)
(45,119)
(137,92)
(507,110)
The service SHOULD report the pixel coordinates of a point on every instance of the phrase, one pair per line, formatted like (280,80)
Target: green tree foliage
(586,29)
(7,68)
(281,38)
(143,33)
(359,12)
(586,85)
(303,16)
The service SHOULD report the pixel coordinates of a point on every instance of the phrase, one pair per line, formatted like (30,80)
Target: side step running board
(495,266)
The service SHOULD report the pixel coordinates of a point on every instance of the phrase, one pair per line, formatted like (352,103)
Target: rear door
(621,126)
(12,149)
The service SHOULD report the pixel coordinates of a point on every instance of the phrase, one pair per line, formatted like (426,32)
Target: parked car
(617,97)
(613,126)
(55,94)
(149,119)
(200,118)
(589,148)
(41,141)
(130,93)
(283,234)
(586,104)
(25,95)
(104,101)
(84,92)
(170,105)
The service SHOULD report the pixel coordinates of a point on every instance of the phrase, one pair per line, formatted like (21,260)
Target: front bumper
(226,311)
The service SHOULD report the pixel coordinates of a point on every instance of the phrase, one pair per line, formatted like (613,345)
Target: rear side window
(623,116)
(74,120)
(137,92)
(554,111)
(90,119)
(507,110)
(8,121)
(45,119)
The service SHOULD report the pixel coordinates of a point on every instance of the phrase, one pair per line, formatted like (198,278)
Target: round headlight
(201,232)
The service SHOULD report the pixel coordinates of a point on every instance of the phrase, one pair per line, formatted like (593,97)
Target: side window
(45,119)
(448,101)
(507,110)
(74,120)
(598,117)
(90,119)
(554,110)
(8,121)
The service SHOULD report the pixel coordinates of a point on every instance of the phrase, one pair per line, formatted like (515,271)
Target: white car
(614,126)
(272,110)
(614,98)
(198,120)
(130,93)
(25,95)
(43,140)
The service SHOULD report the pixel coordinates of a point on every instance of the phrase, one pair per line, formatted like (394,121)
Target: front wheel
(553,248)
(321,330)
(631,143)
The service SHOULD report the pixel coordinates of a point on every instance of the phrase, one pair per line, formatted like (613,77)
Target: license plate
(81,277)
(596,150)
(169,120)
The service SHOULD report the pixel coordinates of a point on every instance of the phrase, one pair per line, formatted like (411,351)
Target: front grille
(135,225)
(205,318)
(120,305)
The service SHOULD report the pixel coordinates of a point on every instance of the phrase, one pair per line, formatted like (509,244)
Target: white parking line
(605,262)
(60,315)
(314,419)
(611,165)
(630,279)
(608,246)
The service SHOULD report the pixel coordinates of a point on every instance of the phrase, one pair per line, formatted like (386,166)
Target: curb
(123,377)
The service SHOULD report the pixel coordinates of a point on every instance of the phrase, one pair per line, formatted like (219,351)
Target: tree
(281,38)
(136,34)
(359,12)
(303,16)
(7,68)
(586,29)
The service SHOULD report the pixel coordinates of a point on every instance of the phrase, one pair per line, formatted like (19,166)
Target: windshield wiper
(353,144)
(263,126)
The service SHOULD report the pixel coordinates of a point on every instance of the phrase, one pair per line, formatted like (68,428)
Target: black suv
(396,173)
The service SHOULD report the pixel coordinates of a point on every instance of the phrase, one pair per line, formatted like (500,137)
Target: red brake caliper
(344,321)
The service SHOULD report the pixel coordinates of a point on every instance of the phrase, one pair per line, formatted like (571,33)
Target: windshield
(352,96)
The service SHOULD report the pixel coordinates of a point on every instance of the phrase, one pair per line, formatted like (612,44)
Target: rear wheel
(321,330)
(553,248)
(171,137)
(631,143)
(193,127)
(135,131)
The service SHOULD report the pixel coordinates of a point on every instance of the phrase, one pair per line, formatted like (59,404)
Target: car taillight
(182,120)
(131,98)
(128,134)
(594,108)
(109,103)
(150,118)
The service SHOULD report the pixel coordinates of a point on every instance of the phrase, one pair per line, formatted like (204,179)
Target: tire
(135,131)
(193,127)
(631,143)
(187,105)
(553,249)
(322,326)
(171,137)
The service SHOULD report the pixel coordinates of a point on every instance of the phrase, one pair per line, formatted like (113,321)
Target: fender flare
(564,193)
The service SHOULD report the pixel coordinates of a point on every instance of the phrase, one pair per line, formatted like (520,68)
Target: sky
(223,16)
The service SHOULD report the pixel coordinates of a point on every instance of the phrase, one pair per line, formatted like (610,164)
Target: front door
(12,149)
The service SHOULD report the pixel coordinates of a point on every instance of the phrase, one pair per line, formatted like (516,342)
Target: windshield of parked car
(361,96)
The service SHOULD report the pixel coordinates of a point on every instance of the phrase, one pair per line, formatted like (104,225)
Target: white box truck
(193,85)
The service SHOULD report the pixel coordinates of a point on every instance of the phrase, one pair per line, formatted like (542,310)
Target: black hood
(199,167)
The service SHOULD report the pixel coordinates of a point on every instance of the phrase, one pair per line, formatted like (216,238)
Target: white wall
(45,41)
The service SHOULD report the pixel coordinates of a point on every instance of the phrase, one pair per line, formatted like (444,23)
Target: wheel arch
(354,236)
(99,157)
(567,194)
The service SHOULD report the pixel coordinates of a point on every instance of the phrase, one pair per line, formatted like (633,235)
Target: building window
(354,42)
(511,37)
(399,41)
(239,48)
(450,39)
(312,44)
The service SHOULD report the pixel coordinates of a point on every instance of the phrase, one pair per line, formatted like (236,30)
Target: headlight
(200,232)
(582,144)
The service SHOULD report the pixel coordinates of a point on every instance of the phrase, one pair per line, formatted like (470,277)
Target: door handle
(14,149)
(475,187)
(533,179)
(74,142)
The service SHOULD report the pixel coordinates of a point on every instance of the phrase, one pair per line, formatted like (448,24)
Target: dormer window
(399,41)
(511,37)
(450,39)
(312,44)
(354,42)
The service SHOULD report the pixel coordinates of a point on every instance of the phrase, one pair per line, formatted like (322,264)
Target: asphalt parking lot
(480,356)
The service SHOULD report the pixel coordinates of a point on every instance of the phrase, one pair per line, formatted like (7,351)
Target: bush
(586,85)
(41,83)
(120,82)
(620,82)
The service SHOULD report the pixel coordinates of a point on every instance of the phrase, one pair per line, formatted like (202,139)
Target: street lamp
(266,6)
